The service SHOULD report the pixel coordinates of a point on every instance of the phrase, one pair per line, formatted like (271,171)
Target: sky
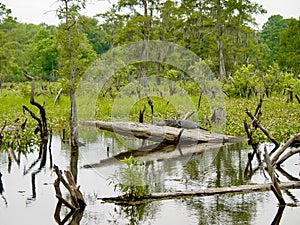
(38,11)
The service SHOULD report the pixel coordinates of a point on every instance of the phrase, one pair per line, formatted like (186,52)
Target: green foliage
(43,54)
(244,83)
(82,52)
(130,180)
(289,50)
(278,117)
(5,14)
(270,38)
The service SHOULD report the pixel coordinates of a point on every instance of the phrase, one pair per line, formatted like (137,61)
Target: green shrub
(130,180)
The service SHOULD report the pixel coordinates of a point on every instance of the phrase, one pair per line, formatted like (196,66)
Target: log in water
(162,133)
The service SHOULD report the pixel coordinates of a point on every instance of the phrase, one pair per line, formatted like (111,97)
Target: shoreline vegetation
(279,116)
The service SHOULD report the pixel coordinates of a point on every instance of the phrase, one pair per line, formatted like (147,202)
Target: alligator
(186,124)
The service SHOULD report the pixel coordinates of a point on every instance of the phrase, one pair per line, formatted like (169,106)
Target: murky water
(25,203)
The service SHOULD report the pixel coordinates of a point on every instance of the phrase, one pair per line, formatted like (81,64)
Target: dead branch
(284,147)
(188,115)
(287,155)
(1,135)
(257,123)
(141,114)
(76,196)
(57,96)
(32,114)
(42,121)
(275,186)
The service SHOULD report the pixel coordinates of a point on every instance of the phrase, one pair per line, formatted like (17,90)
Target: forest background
(248,61)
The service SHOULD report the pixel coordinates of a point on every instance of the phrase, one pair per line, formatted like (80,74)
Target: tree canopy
(221,32)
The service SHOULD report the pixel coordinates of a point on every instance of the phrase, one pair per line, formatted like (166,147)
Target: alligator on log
(159,133)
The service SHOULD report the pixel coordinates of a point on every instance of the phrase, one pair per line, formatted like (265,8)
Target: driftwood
(162,133)
(69,183)
(77,204)
(207,192)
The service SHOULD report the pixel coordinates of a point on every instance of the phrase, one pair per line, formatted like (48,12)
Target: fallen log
(162,133)
(201,193)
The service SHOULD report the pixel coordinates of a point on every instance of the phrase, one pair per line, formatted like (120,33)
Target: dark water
(217,167)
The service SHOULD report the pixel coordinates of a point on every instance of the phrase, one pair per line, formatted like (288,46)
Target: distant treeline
(223,33)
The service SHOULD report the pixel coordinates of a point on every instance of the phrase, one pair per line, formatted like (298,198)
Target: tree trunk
(73,114)
(222,69)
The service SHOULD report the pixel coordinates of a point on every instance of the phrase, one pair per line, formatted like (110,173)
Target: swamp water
(28,204)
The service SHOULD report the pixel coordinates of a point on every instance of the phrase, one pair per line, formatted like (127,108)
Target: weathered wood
(162,133)
(287,155)
(206,192)
(275,186)
(76,196)
(57,96)
(284,147)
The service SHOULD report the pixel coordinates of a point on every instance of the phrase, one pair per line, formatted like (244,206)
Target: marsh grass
(278,116)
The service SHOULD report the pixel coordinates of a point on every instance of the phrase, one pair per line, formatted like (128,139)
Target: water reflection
(167,171)
(134,214)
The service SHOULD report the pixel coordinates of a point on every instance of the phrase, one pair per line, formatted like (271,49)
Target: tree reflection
(218,168)
(134,214)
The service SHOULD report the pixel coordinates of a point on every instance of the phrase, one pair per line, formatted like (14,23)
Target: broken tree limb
(162,133)
(275,186)
(206,192)
(188,115)
(287,155)
(257,123)
(57,96)
(284,147)
(41,121)
(76,196)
